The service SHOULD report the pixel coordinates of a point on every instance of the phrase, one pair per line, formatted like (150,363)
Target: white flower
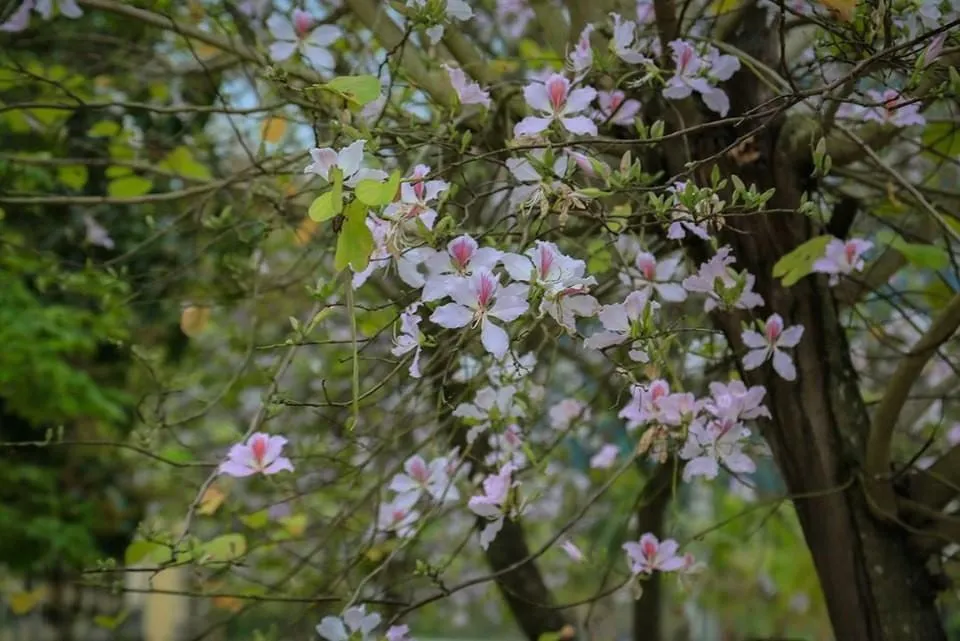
(770,343)
(625,44)
(622,322)
(616,108)
(580,58)
(478,302)
(418,477)
(605,458)
(714,275)
(842,257)
(554,100)
(387,248)
(491,504)
(712,443)
(644,405)
(452,10)
(409,338)
(348,160)
(735,402)
(572,551)
(653,275)
(299,34)
(355,621)
(451,269)
(398,516)
(20,19)
(566,412)
(649,555)
(490,405)
(561,278)
(534,187)
(416,197)
(469,92)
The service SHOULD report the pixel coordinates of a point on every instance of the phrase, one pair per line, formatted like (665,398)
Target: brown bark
(875,589)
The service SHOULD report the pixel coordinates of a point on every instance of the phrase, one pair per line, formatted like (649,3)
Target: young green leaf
(129,187)
(324,207)
(359,90)
(355,241)
(799,263)
(376,194)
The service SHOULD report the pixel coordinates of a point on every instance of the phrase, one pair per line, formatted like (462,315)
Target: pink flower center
(419,189)
(649,549)
(302,23)
(419,472)
(684,59)
(488,288)
(850,251)
(462,252)
(557,91)
(657,392)
(648,268)
(397,516)
(773,331)
(616,100)
(545,261)
(259,449)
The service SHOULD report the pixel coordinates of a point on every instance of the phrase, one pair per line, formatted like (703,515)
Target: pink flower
(623,322)
(491,505)
(298,34)
(770,343)
(625,43)
(719,282)
(416,198)
(893,109)
(399,516)
(418,477)
(842,257)
(615,108)
(693,73)
(710,444)
(735,402)
(605,458)
(479,301)
(649,555)
(564,413)
(469,92)
(554,100)
(261,453)
(409,338)
(934,49)
(644,405)
(451,269)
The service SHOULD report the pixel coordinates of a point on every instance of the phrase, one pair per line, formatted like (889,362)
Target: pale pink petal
(755,358)
(451,316)
(494,339)
(530,126)
(580,125)
(753,340)
(783,365)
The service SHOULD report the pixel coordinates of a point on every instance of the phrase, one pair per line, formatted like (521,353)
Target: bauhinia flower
(770,344)
(419,477)
(409,338)
(651,275)
(889,107)
(513,16)
(580,58)
(492,503)
(555,101)
(534,187)
(20,19)
(561,279)
(389,248)
(348,160)
(469,92)
(842,257)
(626,321)
(260,454)
(300,34)
(734,401)
(650,555)
(416,196)
(722,285)
(490,405)
(605,457)
(693,73)
(478,302)
(644,404)
(398,516)
(452,268)
(625,44)
(572,551)
(564,413)
(616,108)
(713,443)
(355,621)
(399,633)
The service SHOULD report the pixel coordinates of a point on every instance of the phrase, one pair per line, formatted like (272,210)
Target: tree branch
(937,485)
(886,415)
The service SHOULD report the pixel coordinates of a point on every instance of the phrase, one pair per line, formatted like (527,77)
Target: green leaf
(225,548)
(73,176)
(256,520)
(129,187)
(359,90)
(181,161)
(799,263)
(355,241)
(139,550)
(919,254)
(375,194)
(111,622)
(104,129)
(323,208)
(942,137)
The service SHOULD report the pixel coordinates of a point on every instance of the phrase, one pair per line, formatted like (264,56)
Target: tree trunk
(875,588)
